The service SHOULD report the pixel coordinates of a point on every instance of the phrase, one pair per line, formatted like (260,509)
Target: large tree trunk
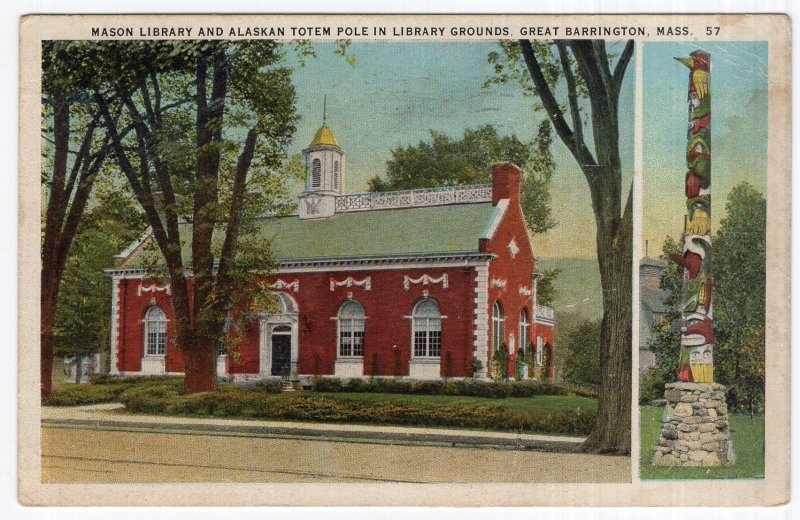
(200,366)
(48,313)
(612,432)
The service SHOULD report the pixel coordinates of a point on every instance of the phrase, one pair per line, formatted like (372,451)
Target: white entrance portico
(278,339)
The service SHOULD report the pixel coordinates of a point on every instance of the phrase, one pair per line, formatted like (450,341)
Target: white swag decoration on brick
(366,283)
(525,291)
(424,280)
(153,288)
(499,282)
(280,284)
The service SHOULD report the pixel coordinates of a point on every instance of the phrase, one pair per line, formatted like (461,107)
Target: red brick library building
(413,283)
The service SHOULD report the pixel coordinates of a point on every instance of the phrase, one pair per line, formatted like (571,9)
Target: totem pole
(694,429)
(697,340)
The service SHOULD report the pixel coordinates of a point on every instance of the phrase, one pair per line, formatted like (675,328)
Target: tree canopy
(444,161)
(200,131)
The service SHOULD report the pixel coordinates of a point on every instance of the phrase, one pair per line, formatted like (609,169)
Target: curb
(476,440)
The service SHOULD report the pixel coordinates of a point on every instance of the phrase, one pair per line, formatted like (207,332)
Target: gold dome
(324,137)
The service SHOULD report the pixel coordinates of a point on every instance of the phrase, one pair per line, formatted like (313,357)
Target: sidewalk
(111,416)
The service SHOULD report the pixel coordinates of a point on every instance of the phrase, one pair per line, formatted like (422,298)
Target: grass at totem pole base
(748,446)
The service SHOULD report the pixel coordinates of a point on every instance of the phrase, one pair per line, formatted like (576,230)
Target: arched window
(155,332)
(335,175)
(498,326)
(316,173)
(523,331)
(351,329)
(286,304)
(426,323)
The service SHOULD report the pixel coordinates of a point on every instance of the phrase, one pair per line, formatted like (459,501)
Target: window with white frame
(523,332)
(351,330)
(155,332)
(426,326)
(498,326)
(539,350)
(316,173)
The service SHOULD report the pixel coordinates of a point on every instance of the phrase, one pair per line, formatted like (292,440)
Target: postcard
(445,260)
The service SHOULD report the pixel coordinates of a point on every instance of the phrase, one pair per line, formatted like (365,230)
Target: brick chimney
(506,180)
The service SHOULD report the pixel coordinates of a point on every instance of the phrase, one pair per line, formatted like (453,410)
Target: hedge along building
(417,283)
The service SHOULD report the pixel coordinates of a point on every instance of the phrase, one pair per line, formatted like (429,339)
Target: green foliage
(581,353)
(499,363)
(738,264)
(81,323)
(545,286)
(651,385)
(104,389)
(237,402)
(443,161)
(477,366)
(492,389)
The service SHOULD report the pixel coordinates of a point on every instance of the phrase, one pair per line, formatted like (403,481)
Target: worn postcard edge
(772,490)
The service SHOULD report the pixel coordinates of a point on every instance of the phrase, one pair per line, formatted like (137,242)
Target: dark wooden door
(281,355)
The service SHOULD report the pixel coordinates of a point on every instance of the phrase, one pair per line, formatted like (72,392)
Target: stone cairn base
(695,429)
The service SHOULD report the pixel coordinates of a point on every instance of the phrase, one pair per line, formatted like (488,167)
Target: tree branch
(142,191)
(599,49)
(547,98)
(572,92)
(234,218)
(89,172)
(622,64)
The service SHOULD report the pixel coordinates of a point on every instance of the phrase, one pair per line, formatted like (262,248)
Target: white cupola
(325,165)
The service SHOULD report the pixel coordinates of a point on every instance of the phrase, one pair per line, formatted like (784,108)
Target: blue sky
(738,127)
(398,91)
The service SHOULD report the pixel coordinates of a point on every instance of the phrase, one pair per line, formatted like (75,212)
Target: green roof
(362,234)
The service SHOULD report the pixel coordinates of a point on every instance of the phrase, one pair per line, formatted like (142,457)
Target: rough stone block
(683,410)
(712,459)
(707,437)
(706,427)
(697,455)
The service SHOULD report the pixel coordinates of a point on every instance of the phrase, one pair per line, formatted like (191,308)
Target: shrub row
(465,387)
(239,402)
(104,389)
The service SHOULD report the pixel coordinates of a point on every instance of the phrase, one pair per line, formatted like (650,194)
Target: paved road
(74,455)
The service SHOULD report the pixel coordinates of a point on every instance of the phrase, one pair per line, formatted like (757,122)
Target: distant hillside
(577,287)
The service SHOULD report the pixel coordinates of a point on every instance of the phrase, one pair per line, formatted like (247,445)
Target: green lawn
(748,446)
